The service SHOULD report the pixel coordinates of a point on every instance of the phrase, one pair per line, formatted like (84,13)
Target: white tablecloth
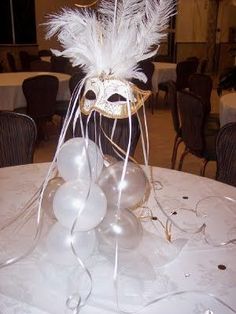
(11,94)
(37,286)
(163,72)
(227,108)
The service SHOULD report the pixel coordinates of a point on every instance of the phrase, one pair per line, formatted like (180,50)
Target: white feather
(104,43)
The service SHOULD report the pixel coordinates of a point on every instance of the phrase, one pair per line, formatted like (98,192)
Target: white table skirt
(227,108)
(163,72)
(11,94)
(37,286)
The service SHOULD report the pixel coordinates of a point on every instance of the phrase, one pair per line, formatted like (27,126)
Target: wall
(192,30)
(45,7)
(191,27)
(191,24)
(226,19)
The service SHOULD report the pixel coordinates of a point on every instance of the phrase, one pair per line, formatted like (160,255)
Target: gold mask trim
(120,110)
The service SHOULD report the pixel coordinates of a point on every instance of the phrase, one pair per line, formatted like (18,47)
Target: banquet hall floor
(161,139)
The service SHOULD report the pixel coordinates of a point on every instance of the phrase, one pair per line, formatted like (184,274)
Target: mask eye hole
(90,95)
(116,97)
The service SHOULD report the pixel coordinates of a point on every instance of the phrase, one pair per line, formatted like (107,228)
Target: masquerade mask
(112,98)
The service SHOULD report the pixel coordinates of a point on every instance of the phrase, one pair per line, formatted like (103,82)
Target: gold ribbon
(86,5)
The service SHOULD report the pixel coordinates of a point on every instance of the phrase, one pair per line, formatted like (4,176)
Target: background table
(11,94)
(31,286)
(227,108)
(163,72)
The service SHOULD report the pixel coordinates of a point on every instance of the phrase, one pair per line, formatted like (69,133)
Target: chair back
(192,115)
(39,65)
(11,62)
(226,154)
(40,93)
(17,139)
(172,104)
(75,79)
(195,60)
(59,64)
(183,71)
(203,66)
(147,67)
(45,53)
(201,85)
(25,60)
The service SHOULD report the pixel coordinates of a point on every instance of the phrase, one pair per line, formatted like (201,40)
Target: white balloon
(77,158)
(80,199)
(125,228)
(48,195)
(109,160)
(135,187)
(58,244)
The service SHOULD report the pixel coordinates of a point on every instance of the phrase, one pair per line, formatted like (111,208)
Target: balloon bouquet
(93,195)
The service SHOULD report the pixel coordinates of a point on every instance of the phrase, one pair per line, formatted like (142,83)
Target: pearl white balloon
(72,199)
(58,245)
(77,158)
(135,187)
(48,195)
(126,228)
(109,160)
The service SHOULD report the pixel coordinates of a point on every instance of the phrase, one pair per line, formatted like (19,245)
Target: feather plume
(110,41)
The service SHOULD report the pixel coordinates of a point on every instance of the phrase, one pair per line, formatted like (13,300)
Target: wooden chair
(40,93)
(25,60)
(40,66)
(183,71)
(226,154)
(203,66)
(201,85)
(195,60)
(147,67)
(11,62)
(45,53)
(59,64)
(198,140)
(62,105)
(172,104)
(18,134)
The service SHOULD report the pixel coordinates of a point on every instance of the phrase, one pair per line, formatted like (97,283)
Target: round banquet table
(227,108)
(36,285)
(163,72)
(11,94)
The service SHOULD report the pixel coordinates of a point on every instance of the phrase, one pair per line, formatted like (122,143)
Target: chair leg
(203,167)
(184,154)
(149,101)
(154,101)
(177,141)
(165,99)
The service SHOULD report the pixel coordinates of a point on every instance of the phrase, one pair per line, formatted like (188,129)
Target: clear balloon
(80,199)
(135,187)
(58,244)
(109,160)
(48,195)
(125,228)
(79,158)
